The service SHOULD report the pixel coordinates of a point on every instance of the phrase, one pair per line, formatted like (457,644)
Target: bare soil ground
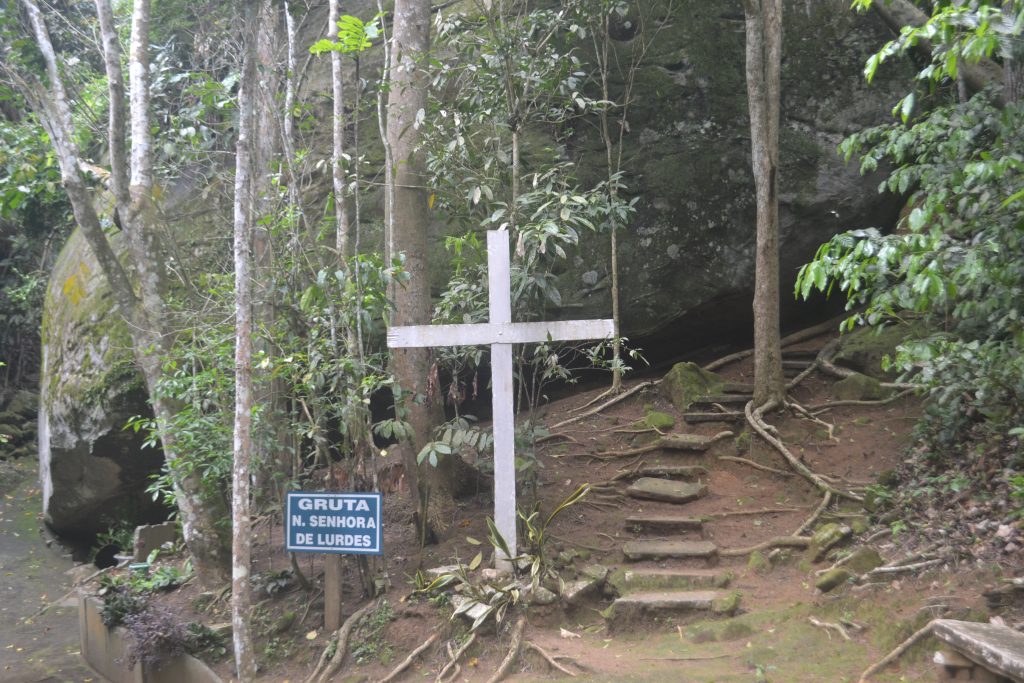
(770,639)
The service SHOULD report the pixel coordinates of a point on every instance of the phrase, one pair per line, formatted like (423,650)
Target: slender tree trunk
(241,590)
(764,59)
(201,515)
(1013,59)
(342,228)
(407,94)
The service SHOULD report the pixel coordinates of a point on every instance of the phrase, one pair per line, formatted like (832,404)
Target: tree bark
(407,95)
(763,69)
(241,549)
(1013,59)
(342,229)
(201,515)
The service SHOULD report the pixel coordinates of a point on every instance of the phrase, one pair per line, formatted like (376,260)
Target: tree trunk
(338,137)
(407,95)
(201,515)
(241,548)
(1013,59)
(764,59)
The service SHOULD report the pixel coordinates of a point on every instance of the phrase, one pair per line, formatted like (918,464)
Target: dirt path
(44,648)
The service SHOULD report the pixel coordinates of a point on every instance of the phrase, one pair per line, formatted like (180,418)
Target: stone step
(645,580)
(796,364)
(725,399)
(695,418)
(679,550)
(637,608)
(667,472)
(666,490)
(664,523)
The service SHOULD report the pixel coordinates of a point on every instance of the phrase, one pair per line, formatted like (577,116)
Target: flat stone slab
(996,648)
(666,490)
(647,580)
(664,523)
(657,550)
(668,601)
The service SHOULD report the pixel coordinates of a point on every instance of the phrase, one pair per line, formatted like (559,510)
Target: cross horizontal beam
(474,334)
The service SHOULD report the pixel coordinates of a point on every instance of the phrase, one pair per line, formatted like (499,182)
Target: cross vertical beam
(499,278)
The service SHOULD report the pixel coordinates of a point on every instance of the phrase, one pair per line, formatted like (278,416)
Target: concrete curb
(104,649)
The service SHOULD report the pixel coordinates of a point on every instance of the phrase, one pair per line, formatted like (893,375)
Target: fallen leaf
(312,635)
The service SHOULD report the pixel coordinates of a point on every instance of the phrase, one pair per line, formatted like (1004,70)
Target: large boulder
(93,471)
(687,260)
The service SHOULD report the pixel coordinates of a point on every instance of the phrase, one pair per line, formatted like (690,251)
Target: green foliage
(956,32)
(954,263)
(369,644)
(354,36)
(202,641)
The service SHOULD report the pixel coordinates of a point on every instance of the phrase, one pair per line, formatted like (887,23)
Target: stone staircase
(671,570)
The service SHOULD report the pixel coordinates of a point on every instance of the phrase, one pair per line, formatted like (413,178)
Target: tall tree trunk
(407,95)
(241,548)
(201,515)
(764,59)
(1013,56)
(342,228)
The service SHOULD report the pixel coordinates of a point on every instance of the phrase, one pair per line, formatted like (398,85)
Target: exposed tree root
(552,437)
(671,442)
(607,404)
(739,513)
(829,626)
(756,421)
(723,416)
(900,569)
(404,664)
(595,548)
(831,428)
(552,660)
(842,373)
(755,465)
(453,659)
(822,407)
(894,655)
(795,338)
(325,669)
(513,652)
(778,542)
(814,515)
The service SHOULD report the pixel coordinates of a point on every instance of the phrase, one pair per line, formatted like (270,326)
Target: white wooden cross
(501,333)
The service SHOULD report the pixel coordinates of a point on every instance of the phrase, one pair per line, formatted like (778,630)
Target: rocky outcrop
(687,260)
(92,470)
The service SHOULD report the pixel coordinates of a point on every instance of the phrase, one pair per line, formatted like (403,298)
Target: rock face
(92,470)
(688,257)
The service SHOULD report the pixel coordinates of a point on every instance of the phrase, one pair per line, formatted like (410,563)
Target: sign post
(333,524)
(500,333)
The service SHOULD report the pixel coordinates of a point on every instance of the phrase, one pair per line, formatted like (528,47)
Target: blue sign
(333,523)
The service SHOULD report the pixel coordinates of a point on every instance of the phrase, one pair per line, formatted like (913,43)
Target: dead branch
(755,465)
(814,515)
(325,670)
(778,542)
(607,404)
(892,656)
(552,660)
(822,407)
(842,373)
(756,421)
(454,658)
(671,442)
(404,664)
(513,651)
(827,626)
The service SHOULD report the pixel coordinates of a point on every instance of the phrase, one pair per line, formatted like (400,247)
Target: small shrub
(153,637)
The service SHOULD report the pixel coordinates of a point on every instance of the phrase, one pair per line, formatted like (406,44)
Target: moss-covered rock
(687,382)
(827,537)
(727,604)
(864,349)
(660,421)
(758,562)
(863,560)
(832,579)
(858,387)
